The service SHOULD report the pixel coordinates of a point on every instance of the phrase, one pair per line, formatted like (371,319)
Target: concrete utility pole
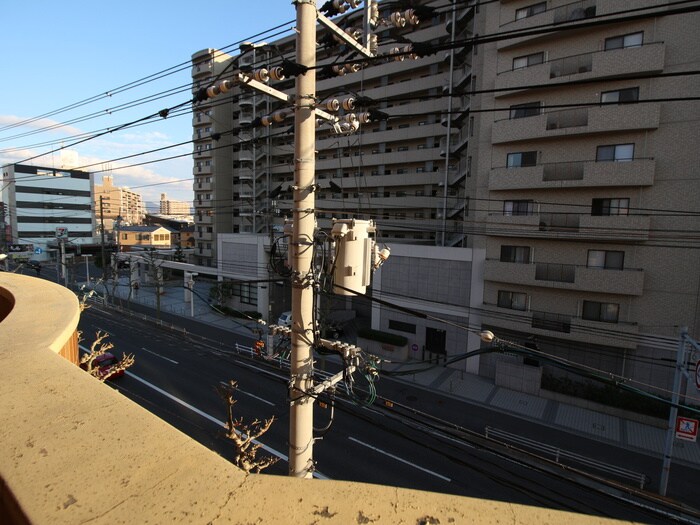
(304,222)
(102,228)
(679,371)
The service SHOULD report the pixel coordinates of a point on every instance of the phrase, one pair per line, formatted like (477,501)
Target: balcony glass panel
(576,11)
(551,321)
(568,118)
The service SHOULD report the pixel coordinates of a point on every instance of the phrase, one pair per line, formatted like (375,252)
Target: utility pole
(679,371)
(304,223)
(102,228)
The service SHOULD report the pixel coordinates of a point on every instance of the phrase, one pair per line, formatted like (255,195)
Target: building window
(529,109)
(531,10)
(620,95)
(606,259)
(623,41)
(402,327)
(610,207)
(521,159)
(520,207)
(402,148)
(615,152)
(403,126)
(512,300)
(528,60)
(603,312)
(515,254)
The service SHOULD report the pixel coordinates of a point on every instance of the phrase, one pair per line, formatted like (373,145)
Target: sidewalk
(619,431)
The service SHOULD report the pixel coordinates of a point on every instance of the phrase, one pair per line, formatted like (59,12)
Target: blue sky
(55,54)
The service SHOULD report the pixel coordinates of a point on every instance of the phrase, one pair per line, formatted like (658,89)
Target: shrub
(382,337)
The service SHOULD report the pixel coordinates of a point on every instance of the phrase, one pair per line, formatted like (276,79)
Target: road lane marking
(197,411)
(399,459)
(249,394)
(158,355)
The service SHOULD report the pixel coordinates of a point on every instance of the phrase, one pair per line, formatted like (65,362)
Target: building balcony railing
(202,203)
(205,219)
(649,58)
(203,169)
(554,324)
(574,174)
(629,281)
(570,226)
(201,70)
(578,121)
(202,186)
(201,119)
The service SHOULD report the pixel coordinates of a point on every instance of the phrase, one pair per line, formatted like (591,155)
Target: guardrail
(560,454)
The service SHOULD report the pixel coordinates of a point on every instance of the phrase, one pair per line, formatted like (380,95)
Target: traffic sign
(414,347)
(38,250)
(687,429)
(61,232)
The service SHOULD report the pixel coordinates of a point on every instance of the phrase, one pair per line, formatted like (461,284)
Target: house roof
(149,229)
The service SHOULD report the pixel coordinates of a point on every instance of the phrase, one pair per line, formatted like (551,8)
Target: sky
(56,54)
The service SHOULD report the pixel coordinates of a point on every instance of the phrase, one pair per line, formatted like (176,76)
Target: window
(615,152)
(606,259)
(402,327)
(521,207)
(603,312)
(521,159)
(620,42)
(402,148)
(125,236)
(515,254)
(620,95)
(529,109)
(512,300)
(531,10)
(610,207)
(528,60)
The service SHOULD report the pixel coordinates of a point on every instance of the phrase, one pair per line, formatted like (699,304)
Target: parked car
(285,319)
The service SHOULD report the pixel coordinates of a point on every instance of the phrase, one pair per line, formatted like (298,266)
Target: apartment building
(117,201)
(560,160)
(174,208)
(586,181)
(44,204)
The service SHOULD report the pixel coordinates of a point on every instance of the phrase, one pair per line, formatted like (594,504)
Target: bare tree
(91,363)
(244,435)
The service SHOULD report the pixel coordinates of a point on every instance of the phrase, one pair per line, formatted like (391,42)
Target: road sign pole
(675,397)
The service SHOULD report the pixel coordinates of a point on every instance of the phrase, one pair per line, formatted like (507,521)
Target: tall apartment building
(44,204)
(117,202)
(578,202)
(174,208)
(587,181)
(393,171)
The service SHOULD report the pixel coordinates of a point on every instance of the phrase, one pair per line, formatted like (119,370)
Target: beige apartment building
(561,160)
(174,208)
(117,201)
(587,183)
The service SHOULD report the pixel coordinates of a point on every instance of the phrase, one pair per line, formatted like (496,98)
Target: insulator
(396,51)
(277,73)
(352,68)
(373,44)
(354,3)
(410,16)
(348,103)
(212,91)
(340,6)
(332,104)
(225,86)
(261,75)
(397,19)
(279,116)
(349,117)
(339,70)
(266,120)
(353,33)
(319,122)
(364,117)
(409,49)
(374,14)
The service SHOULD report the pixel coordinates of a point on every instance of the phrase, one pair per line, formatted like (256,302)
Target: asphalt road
(176,379)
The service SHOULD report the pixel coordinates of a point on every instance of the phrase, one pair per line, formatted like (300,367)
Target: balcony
(202,70)
(201,119)
(581,174)
(566,277)
(202,186)
(568,226)
(577,121)
(649,58)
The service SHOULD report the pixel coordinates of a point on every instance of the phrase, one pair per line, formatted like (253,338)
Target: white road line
(399,459)
(249,394)
(158,355)
(194,409)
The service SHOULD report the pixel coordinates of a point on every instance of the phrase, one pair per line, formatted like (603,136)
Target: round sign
(414,347)
(697,374)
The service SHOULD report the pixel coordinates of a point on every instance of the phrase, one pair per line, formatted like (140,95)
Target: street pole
(64,273)
(304,223)
(87,268)
(673,413)
(102,227)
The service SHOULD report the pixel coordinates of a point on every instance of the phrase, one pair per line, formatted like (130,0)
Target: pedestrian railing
(560,455)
